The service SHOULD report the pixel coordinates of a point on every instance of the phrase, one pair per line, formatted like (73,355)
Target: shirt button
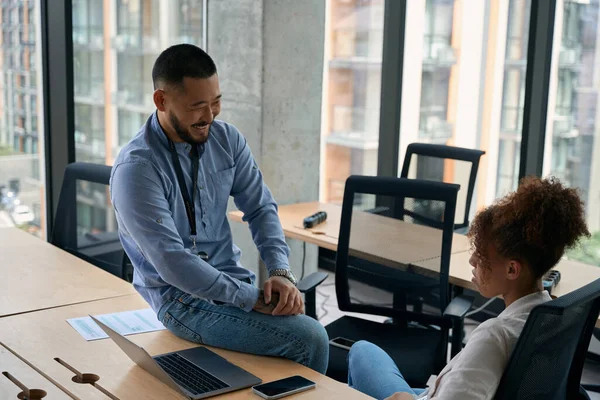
(242,305)
(201,187)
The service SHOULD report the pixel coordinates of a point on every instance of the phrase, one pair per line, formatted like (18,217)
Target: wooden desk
(41,336)
(411,246)
(379,239)
(573,274)
(37,275)
(25,375)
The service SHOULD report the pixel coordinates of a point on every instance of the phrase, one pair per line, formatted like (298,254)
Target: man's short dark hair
(182,61)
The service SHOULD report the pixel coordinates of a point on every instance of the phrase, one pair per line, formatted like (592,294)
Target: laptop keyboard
(189,376)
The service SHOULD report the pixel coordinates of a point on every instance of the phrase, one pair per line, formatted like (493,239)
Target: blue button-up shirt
(154,228)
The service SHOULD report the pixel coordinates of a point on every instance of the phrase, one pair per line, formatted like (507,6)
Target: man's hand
(261,305)
(290,300)
(401,396)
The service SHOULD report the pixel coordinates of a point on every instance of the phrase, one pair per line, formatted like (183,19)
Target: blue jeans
(373,372)
(298,338)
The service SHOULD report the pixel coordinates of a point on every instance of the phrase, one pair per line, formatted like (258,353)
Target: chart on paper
(126,323)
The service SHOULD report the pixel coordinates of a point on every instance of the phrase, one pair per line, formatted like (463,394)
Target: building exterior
(21,122)
(463,84)
(115,43)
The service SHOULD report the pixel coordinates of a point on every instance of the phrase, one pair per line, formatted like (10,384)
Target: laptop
(196,373)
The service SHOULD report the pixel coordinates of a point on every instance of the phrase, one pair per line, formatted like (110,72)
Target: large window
(115,45)
(351,92)
(572,151)
(22,200)
(463,85)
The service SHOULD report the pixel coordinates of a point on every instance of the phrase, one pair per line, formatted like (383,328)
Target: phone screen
(343,341)
(282,386)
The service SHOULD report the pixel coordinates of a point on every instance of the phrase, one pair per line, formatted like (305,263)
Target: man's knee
(313,334)
(316,342)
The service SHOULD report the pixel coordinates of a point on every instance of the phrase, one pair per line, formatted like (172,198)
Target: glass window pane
(572,151)
(115,44)
(463,85)
(351,93)
(22,192)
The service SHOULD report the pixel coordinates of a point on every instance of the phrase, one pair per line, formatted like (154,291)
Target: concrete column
(293,52)
(235,43)
(270,60)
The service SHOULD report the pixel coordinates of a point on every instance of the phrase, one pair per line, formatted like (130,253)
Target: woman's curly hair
(533,225)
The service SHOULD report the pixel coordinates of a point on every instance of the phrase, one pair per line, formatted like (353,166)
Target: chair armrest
(308,286)
(311,282)
(589,388)
(458,307)
(456,311)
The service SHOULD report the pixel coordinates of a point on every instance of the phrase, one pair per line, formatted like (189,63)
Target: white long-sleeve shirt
(476,371)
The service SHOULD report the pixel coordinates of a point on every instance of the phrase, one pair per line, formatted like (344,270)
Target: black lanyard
(190,203)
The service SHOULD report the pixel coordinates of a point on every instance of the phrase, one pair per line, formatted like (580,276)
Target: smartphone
(283,387)
(342,343)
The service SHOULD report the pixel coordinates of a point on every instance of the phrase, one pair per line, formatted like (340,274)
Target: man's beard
(183,133)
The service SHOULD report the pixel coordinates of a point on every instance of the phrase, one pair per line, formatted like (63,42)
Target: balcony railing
(90,90)
(30,90)
(355,120)
(564,126)
(354,127)
(89,36)
(188,38)
(511,120)
(516,51)
(133,41)
(435,128)
(90,144)
(569,57)
(437,50)
(133,97)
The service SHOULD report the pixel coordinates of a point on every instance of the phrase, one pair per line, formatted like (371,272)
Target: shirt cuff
(276,260)
(246,297)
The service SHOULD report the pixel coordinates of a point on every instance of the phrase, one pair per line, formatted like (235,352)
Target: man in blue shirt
(170,186)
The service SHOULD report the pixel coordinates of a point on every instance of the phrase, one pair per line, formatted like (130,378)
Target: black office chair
(369,272)
(430,163)
(548,358)
(103,250)
(429,160)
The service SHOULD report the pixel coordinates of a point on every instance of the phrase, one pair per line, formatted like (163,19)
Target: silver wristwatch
(286,273)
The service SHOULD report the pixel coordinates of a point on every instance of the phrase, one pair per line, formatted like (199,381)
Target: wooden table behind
(37,275)
(380,239)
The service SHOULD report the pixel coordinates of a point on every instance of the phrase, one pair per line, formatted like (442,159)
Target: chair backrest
(548,359)
(102,249)
(431,162)
(377,251)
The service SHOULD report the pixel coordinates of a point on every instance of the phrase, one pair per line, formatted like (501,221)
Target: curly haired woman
(514,243)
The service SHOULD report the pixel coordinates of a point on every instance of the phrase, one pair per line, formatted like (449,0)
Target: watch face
(291,277)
